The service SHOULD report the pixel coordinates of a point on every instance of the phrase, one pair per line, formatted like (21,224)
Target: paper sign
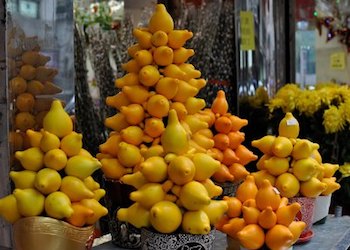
(247,30)
(337,60)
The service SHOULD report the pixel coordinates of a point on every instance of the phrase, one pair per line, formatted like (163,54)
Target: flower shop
(174,124)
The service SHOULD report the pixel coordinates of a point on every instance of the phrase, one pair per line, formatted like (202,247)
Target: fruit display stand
(295,167)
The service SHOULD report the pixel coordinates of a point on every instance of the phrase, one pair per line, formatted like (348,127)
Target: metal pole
(5,228)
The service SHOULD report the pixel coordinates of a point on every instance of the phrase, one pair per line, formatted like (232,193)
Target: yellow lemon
(289,126)
(49,141)
(58,205)
(155,169)
(30,202)
(47,180)
(136,215)
(81,166)
(129,155)
(181,170)
(287,184)
(95,206)
(8,208)
(165,216)
(72,143)
(196,222)
(31,158)
(57,121)
(75,189)
(194,196)
(34,137)
(55,159)
(148,195)
(23,179)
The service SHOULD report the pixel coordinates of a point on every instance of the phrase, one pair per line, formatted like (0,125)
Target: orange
(223,174)
(221,141)
(234,206)
(220,105)
(278,237)
(267,218)
(267,196)
(80,213)
(236,138)
(238,171)
(223,124)
(233,226)
(250,214)
(251,236)
(247,190)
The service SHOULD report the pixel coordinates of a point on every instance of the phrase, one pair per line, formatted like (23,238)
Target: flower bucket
(321,212)
(123,234)
(43,233)
(152,240)
(305,214)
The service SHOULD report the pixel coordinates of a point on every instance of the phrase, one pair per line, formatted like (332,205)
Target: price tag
(337,61)
(247,30)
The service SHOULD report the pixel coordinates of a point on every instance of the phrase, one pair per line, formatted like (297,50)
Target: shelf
(333,234)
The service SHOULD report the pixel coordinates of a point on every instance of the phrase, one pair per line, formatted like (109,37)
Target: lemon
(155,169)
(215,210)
(34,137)
(47,180)
(136,215)
(95,206)
(196,222)
(58,205)
(23,179)
(72,143)
(181,170)
(57,121)
(31,158)
(55,159)
(288,185)
(8,208)
(129,155)
(289,126)
(148,195)
(81,166)
(194,196)
(165,216)
(49,141)
(75,188)
(312,187)
(30,202)
(304,169)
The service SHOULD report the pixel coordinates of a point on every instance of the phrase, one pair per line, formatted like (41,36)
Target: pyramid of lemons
(151,145)
(294,165)
(54,176)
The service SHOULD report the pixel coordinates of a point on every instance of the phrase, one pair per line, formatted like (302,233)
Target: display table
(334,234)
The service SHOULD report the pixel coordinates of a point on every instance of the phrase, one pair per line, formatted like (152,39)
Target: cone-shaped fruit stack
(55,177)
(30,87)
(293,165)
(259,215)
(227,139)
(151,146)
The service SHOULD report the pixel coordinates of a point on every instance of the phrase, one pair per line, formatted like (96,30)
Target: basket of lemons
(55,199)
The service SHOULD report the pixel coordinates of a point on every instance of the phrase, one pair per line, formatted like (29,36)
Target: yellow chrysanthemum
(333,120)
(345,109)
(308,102)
